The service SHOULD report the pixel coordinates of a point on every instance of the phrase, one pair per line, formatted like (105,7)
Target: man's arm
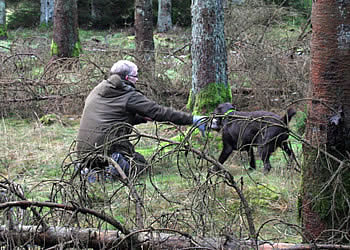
(144,107)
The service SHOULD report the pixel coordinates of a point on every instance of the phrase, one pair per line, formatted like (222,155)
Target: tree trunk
(65,29)
(80,238)
(209,57)
(60,236)
(326,181)
(3,30)
(144,34)
(47,10)
(164,16)
(93,10)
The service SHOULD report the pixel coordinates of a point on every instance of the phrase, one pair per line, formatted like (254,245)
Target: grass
(27,145)
(32,155)
(177,194)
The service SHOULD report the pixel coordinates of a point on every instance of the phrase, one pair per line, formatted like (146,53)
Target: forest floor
(32,153)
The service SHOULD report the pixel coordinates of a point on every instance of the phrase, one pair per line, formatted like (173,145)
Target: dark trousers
(138,163)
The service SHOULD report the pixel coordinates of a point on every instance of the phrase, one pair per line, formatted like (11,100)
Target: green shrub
(49,119)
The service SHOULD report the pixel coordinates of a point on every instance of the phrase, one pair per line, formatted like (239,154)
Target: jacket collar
(117,82)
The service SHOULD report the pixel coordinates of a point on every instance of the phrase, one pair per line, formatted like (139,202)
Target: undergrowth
(32,154)
(176,192)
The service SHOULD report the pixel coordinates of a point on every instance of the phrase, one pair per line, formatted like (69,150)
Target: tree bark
(209,57)
(93,10)
(93,238)
(47,10)
(79,238)
(144,31)
(164,16)
(3,30)
(326,181)
(65,41)
(69,237)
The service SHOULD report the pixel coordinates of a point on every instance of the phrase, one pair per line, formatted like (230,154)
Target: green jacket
(110,110)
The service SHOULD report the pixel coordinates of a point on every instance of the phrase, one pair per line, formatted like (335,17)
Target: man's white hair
(123,68)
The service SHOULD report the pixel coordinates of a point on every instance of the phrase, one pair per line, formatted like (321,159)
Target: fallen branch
(16,189)
(149,238)
(41,98)
(135,195)
(97,239)
(219,170)
(53,236)
(290,246)
(27,204)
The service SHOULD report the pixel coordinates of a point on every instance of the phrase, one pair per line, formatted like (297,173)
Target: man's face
(133,76)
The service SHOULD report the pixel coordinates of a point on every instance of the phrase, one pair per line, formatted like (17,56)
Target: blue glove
(90,174)
(199,121)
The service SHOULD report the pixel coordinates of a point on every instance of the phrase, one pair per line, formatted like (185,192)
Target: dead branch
(221,171)
(55,236)
(13,188)
(98,239)
(27,204)
(149,238)
(129,184)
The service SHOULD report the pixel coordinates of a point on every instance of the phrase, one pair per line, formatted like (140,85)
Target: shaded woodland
(180,202)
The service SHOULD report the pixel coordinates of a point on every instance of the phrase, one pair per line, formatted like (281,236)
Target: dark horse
(245,130)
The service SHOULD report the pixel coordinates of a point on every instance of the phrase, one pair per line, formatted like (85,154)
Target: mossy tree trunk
(3,30)
(325,198)
(144,35)
(209,58)
(164,23)
(65,42)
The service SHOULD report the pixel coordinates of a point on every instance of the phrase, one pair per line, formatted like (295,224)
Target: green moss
(191,101)
(49,119)
(208,98)
(54,48)
(77,49)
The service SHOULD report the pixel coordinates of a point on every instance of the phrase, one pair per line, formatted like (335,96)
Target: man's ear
(126,77)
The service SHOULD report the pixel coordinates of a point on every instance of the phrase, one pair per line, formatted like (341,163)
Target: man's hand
(199,122)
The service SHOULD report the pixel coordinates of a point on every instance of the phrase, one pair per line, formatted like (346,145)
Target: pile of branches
(119,213)
(32,81)
(265,70)
(125,212)
(268,62)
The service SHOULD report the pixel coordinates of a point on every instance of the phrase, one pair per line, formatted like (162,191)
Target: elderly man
(113,107)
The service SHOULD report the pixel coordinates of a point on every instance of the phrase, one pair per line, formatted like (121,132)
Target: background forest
(120,13)
(41,101)
(270,38)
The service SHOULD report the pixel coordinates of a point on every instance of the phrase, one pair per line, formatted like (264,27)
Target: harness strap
(229,111)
